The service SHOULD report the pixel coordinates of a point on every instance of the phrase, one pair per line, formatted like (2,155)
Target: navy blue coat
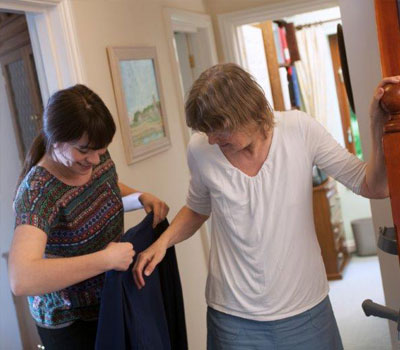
(150,318)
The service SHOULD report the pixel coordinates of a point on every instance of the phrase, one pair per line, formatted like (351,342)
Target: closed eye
(83,150)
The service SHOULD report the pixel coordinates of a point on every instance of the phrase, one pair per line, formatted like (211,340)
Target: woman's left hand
(378,115)
(157,206)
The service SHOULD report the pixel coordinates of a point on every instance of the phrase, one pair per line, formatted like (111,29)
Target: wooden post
(273,66)
(391,146)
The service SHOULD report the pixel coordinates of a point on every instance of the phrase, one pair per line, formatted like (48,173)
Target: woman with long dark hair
(69,210)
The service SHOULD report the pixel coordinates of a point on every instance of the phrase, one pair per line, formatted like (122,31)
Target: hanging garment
(150,318)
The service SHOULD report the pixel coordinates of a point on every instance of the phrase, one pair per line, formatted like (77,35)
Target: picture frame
(140,102)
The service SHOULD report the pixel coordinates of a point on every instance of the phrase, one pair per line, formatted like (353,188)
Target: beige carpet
(361,281)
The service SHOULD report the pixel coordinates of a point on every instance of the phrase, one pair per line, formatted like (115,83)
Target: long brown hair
(69,114)
(226,97)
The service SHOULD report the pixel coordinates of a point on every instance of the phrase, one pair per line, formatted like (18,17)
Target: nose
(94,158)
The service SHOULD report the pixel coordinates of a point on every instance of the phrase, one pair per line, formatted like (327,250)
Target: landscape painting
(139,101)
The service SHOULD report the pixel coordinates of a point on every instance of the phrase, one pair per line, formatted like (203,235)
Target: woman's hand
(183,226)
(157,206)
(375,181)
(119,255)
(378,115)
(147,261)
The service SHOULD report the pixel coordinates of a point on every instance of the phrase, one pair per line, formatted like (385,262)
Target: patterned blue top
(78,220)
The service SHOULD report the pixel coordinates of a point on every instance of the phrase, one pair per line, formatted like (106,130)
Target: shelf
(329,228)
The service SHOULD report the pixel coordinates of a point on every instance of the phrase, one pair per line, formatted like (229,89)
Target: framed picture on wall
(141,108)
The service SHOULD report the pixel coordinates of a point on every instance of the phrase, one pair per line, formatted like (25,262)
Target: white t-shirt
(265,261)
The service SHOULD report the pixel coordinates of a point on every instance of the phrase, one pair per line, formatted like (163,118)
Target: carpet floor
(361,280)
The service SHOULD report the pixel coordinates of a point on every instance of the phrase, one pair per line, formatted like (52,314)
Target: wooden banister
(391,145)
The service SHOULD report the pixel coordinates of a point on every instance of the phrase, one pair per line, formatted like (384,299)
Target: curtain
(311,71)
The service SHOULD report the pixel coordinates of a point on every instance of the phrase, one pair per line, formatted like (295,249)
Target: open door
(22,86)
(25,105)
(343,100)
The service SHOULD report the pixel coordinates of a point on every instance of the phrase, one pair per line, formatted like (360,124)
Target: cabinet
(329,228)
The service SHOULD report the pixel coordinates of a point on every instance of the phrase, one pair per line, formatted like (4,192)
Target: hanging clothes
(151,318)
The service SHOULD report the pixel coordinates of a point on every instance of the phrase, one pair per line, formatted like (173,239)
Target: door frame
(189,22)
(344,106)
(229,22)
(57,58)
(53,36)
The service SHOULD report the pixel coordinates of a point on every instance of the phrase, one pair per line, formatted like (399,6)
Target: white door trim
(53,36)
(229,22)
(190,22)
(58,64)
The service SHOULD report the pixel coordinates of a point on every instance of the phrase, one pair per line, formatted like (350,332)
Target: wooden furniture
(329,228)
(391,141)
(273,66)
(387,21)
(273,63)
(388,30)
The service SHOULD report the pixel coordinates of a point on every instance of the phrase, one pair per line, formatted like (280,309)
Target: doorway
(241,29)
(189,66)
(192,47)
(55,57)
(23,109)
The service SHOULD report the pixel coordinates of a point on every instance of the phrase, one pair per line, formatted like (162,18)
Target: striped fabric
(78,220)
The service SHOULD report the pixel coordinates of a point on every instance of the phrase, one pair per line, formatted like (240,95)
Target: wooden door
(18,68)
(343,100)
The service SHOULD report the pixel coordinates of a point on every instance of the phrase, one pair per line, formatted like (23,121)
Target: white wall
(359,26)
(9,172)
(141,23)
(353,206)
